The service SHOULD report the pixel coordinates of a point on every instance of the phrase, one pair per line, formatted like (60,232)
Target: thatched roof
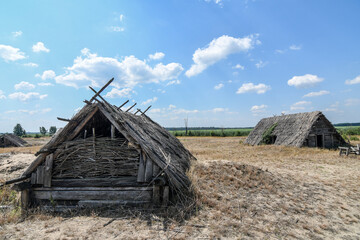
(291,129)
(155,141)
(14,140)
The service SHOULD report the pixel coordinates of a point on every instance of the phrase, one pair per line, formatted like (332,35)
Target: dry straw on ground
(262,192)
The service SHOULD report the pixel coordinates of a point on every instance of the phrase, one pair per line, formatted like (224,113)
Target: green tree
(18,130)
(43,131)
(52,130)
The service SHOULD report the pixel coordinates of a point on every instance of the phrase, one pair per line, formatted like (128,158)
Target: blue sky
(222,63)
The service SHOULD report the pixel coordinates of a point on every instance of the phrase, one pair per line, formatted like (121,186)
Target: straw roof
(155,141)
(291,129)
(14,140)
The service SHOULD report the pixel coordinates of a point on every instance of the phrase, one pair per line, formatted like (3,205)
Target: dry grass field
(244,192)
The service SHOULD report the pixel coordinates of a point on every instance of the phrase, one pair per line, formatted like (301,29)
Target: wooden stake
(165,196)
(24,199)
(102,89)
(112,131)
(148,170)
(93,130)
(122,104)
(130,107)
(48,170)
(141,170)
(146,110)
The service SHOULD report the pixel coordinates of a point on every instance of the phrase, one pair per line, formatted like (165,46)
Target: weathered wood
(99,96)
(25,199)
(34,164)
(15,180)
(101,203)
(126,181)
(139,195)
(130,107)
(165,199)
(33,178)
(40,175)
(82,124)
(48,170)
(119,108)
(102,89)
(85,132)
(146,110)
(148,170)
(156,170)
(112,131)
(63,119)
(156,194)
(141,171)
(138,110)
(94,137)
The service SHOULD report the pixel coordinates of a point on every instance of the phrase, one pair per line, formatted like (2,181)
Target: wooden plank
(33,178)
(156,194)
(101,203)
(102,89)
(48,170)
(94,195)
(40,175)
(34,164)
(148,170)
(165,196)
(25,199)
(127,181)
(112,131)
(143,188)
(141,170)
(82,125)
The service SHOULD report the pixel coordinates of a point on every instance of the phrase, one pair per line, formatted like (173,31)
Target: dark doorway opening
(319,141)
(273,139)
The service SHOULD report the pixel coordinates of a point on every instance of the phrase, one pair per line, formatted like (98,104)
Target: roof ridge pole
(130,107)
(99,96)
(102,89)
(123,104)
(138,110)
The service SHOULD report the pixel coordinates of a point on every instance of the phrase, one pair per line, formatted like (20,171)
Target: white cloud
(217,110)
(24,86)
(316,94)
(121,17)
(31,64)
(155,110)
(2,95)
(40,47)
(17,33)
(90,69)
(24,97)
(353,81)
(116,29)
(48,74)
(218,2)
(151,100)
(250,87)
(261,64)
(157,56)
(258,108)
(173,82)
(30,112)
(117,93)
(307,80)
(295,47)
(217,50)
(299,105)
(219,86)
(45,84)
(238,66)
(172,106)
(352,102)
(9,53)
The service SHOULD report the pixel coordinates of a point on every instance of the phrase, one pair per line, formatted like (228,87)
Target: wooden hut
(310,129)
(105,155)
(11,140)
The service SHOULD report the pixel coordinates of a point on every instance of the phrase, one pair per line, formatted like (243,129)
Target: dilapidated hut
(311,129)
(11,140)
(105,155)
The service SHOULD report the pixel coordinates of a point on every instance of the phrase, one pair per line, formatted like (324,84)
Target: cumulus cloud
(40,47)
(307,80)
(238,66)
(31,64)
(353,81)
(45,84)
(24,97)
(151,100)
(217,50)
(121,17)
(30,112)
(258,108)
(9,53)
(352,102)
(299,105)
(48,74)
(218,2)
(91,69)
(250,87)
(260,64)
(24,86)
(2,95)
(295,47)
(173,82)
(119,93)
(157,56)
(217,110)
(116,29)
(219,86)
(316,94)
(17,34)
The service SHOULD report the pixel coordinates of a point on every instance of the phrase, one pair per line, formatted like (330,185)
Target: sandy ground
(245,192)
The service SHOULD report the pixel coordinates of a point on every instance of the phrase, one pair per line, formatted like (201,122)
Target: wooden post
(156,194)
(112,131)
(33,178)
(148,170)
(85,132)
(141,170)
(48,170)
(24,199)
(40,175)
(93,130)
(165,196)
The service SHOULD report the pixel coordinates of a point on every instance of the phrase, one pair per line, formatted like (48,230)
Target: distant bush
(213,133)
(354,138)
(37,136)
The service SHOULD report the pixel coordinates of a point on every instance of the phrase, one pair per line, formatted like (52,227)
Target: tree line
(21,132)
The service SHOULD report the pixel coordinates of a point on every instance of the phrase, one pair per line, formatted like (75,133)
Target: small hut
(105,155)
(11,140)
(309,129)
